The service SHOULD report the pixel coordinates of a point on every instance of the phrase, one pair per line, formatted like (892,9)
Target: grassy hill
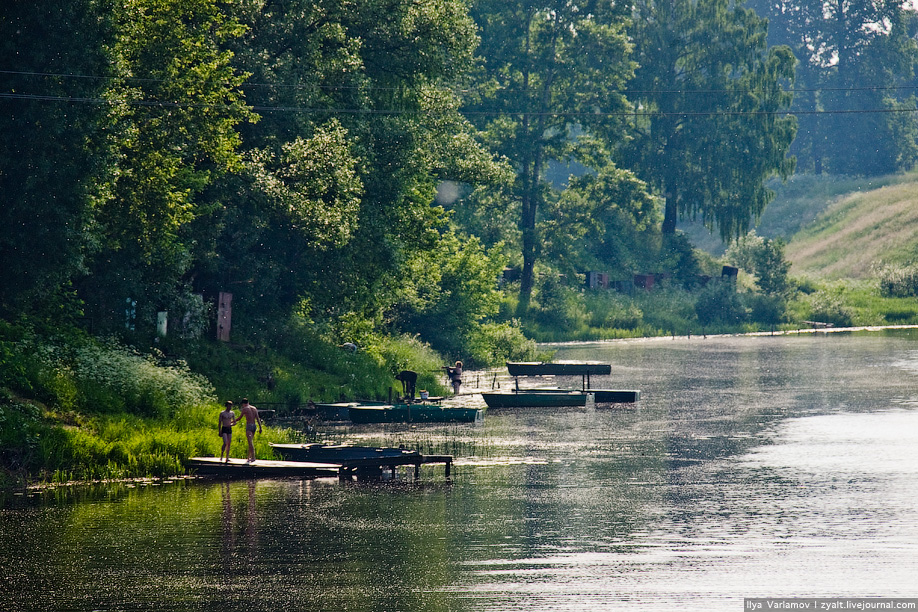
(859,230)
(838,227)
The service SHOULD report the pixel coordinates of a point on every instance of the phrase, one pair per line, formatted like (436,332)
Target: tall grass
(102,410)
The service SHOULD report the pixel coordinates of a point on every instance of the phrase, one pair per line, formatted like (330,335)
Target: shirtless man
(225,426)
(252,420)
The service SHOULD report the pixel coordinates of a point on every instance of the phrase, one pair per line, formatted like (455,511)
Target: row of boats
(432,410)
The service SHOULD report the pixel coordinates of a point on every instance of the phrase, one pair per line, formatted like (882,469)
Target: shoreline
(785,332)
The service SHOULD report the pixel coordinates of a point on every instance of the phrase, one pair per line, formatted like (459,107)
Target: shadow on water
(750,468)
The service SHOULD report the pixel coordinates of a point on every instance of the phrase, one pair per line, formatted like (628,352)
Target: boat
(534,398)
(333,411)
(412,413)
(615,396)
(557,398)
(342,453)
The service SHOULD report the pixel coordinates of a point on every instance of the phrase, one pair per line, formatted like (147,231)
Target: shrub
(612,311)
(669,310)
(496,343)
(829,307)
(410,353)
(898,280)
(719,302)
(768,309)
(117,378)
(765,259)
(559,307)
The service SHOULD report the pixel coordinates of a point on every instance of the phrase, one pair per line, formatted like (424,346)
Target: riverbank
(77,408)
(89,411)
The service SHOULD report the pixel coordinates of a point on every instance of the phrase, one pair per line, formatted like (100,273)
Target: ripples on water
(752,468)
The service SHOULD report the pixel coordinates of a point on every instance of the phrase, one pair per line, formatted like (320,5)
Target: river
(752,467)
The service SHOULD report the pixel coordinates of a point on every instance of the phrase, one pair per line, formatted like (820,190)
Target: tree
(763,258)
(597,221)
(548,67)
(174,104)
(454,296)
(856,59)
(52,156)
(710,129)
(358,126)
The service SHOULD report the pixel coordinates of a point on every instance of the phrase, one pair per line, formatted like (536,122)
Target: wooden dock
(260,468)
(345,469)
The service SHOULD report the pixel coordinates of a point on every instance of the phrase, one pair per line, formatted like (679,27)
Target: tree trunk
(530,246)
(670,216)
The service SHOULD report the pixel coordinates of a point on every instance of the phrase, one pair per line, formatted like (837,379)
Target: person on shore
(225,427)
(455,376)
(409,380)
(252,421)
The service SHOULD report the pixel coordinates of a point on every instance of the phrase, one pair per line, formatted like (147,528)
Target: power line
(481,113)
(469,90)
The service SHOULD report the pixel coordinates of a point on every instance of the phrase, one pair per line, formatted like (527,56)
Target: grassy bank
(73,407)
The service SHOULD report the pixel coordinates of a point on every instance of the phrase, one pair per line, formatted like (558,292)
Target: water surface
(752,467)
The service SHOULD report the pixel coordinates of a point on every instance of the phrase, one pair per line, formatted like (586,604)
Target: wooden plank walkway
(346,469)
(240,468)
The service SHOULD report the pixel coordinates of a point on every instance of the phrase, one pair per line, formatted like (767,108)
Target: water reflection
(751,467)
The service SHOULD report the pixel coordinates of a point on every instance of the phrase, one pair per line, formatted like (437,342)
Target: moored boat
(615,396)
(413,413)
(534,398)
(343,453)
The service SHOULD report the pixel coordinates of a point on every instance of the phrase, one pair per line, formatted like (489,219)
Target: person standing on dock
(225,426)
(455,376)
(252,420)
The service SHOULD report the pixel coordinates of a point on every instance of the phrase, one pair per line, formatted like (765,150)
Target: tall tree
(548,67)
(52,157)
(710,129)
(361,92)
(174,105)
(857,60)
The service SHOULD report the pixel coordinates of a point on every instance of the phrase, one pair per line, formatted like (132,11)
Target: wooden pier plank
(213,466)
(240,468)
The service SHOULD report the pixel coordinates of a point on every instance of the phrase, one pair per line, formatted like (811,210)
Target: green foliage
(667,310)
(22,434)
(708,155)
(611,310)
(557,306)
(540,72)
(53,152)
(497,343)
(828,306)
(846,63)
(409,353)
(766,309)
(719,302)
(173,118)
(450,294)
(765,259)
(898,280)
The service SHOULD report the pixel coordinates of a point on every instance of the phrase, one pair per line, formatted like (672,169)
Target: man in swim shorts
(252,420)
(225,426)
